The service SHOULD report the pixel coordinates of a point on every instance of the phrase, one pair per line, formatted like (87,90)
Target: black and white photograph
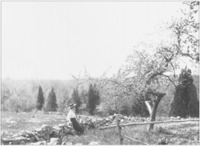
(92,72)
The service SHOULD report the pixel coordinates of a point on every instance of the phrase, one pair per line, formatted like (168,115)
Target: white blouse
(70,115)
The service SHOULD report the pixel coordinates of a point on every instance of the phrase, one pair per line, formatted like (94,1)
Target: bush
(139,108)
(125,110)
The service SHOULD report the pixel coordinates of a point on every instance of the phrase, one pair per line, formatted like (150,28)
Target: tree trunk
(149,107)
(155,106)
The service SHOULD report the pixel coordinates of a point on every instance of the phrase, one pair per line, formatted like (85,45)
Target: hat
(72,105)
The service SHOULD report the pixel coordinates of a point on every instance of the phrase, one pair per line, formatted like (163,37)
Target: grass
(16,122)
(175,133)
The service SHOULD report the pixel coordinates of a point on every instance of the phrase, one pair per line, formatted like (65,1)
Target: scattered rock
(162,141)
(163,131)
(39,143)
(22,143)
(78,144)
(54,141)
(196,138)
(15,140)
(33,139)
(182,141)
(67,143)
(94,143)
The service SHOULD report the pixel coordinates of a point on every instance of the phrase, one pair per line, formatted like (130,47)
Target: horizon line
(62,79)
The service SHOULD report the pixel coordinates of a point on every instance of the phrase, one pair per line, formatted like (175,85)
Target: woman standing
(71,117)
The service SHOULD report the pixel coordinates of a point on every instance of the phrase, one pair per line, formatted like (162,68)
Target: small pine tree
(40,99)
(77,100)
(93,98)
(51,101)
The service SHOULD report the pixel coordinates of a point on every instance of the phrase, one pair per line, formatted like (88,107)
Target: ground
(173,133)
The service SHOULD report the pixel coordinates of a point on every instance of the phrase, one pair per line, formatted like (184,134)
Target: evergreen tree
(40,99)
(185,101)
(84,95)
(51,101)
(93,98)
(77,100)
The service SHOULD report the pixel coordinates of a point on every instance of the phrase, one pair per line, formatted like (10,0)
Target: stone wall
(53,134)
(48,135)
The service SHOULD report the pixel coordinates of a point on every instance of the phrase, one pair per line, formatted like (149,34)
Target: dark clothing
(77,126)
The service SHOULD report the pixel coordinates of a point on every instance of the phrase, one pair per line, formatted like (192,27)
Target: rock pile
(92,122)
(39,136)
(53,135)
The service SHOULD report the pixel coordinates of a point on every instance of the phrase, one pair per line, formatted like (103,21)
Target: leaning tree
(147,76)
(144,76)
(185,32)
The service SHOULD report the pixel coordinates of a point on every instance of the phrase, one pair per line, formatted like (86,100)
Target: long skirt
(77,127)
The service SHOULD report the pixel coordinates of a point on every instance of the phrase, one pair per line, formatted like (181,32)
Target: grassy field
(174,133)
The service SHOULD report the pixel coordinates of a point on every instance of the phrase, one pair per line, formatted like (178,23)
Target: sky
(55,40)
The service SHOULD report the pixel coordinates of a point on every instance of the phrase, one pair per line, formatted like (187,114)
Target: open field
(174,133)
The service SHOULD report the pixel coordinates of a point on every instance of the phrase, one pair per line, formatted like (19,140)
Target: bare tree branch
(170,80)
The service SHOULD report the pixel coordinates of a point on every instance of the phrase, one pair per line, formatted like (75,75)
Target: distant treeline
(22,95)
(48,96)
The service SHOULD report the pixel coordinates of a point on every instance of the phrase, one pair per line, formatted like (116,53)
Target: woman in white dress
(71,117)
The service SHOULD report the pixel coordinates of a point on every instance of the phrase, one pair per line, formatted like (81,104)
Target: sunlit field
(176,133)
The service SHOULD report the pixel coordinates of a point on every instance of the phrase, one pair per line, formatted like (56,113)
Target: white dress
(71,118)
(70,115)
